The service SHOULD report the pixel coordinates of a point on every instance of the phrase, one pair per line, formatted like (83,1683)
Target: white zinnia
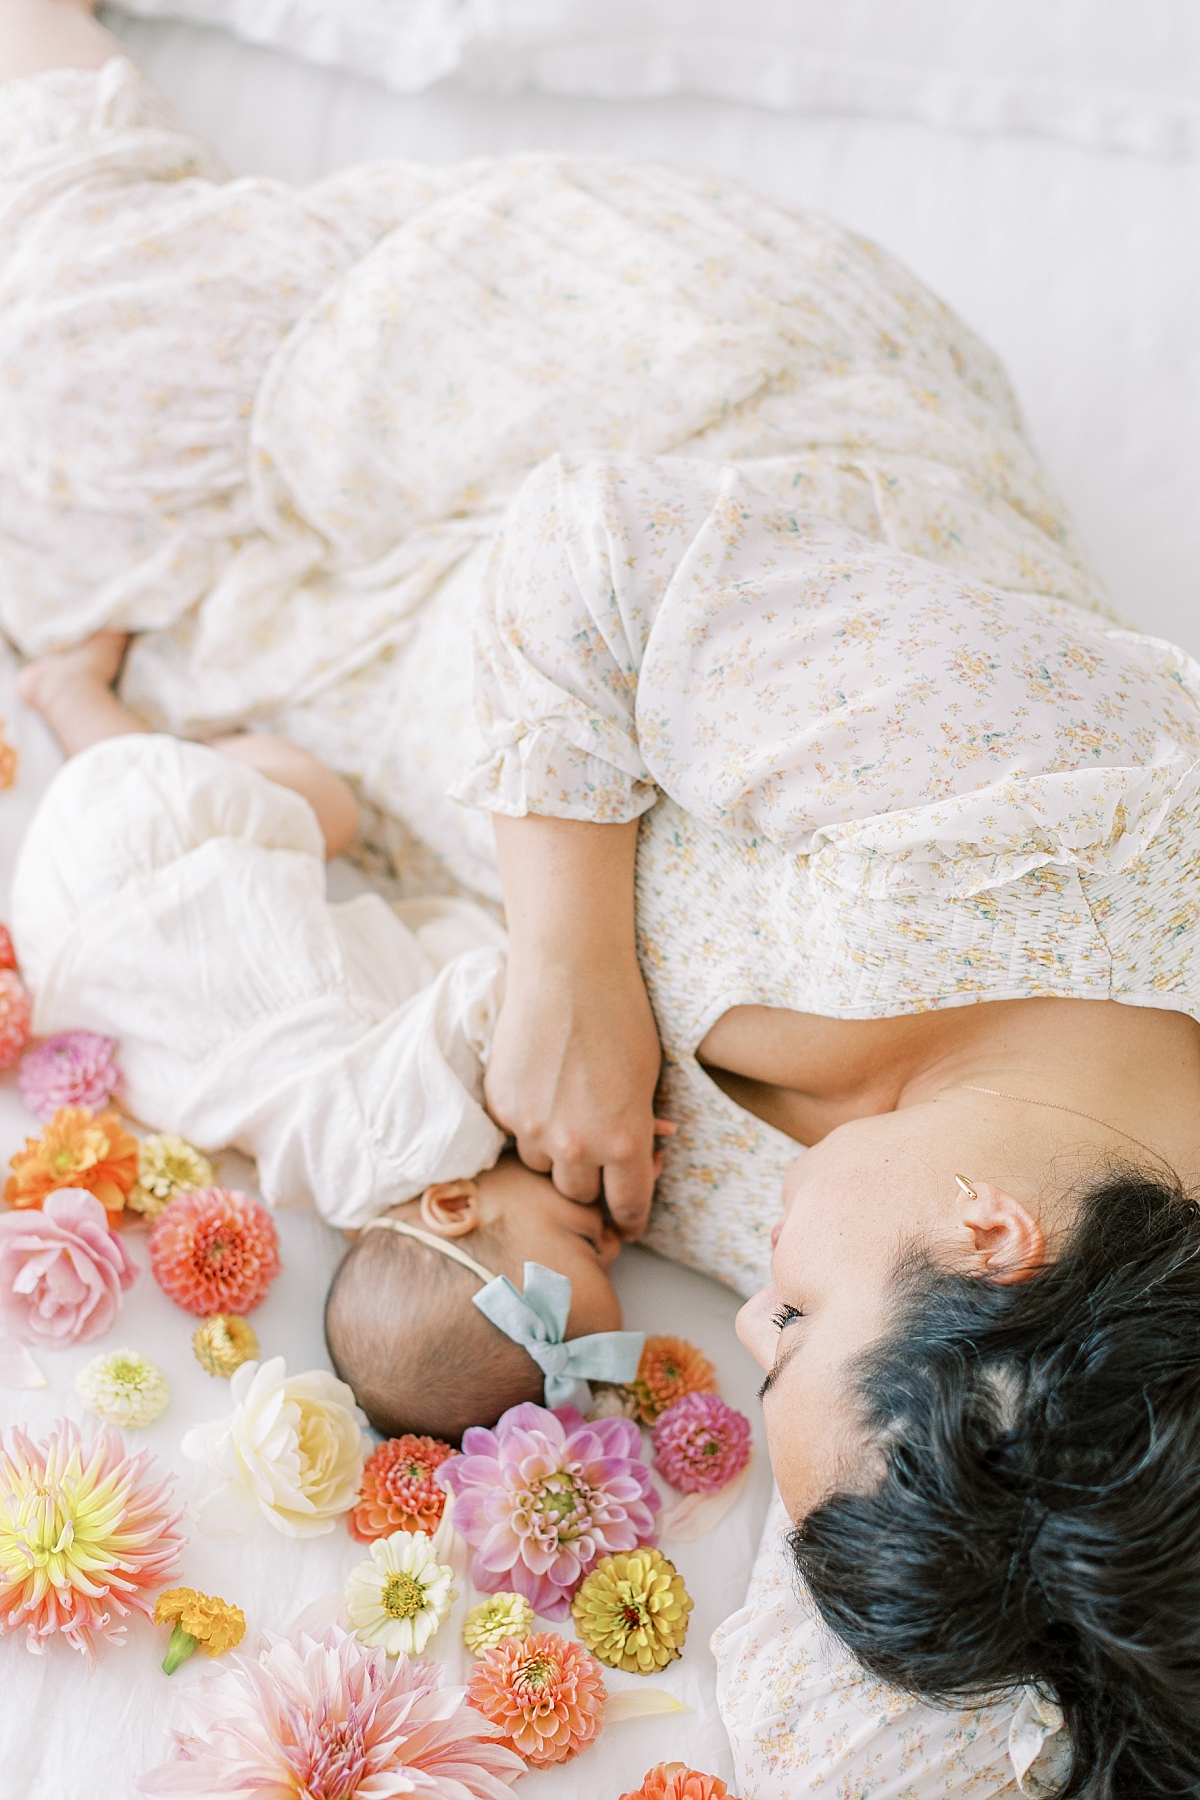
(292,1449)
(398,1598)
(123,1386)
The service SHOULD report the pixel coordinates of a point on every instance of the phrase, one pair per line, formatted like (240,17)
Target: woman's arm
(575,1057)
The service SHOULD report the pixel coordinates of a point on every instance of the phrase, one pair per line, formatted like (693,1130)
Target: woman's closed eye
(785,1315)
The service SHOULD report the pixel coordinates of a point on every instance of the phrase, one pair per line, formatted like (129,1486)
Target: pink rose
(61,1271)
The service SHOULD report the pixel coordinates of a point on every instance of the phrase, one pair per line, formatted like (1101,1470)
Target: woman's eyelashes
(785,1315)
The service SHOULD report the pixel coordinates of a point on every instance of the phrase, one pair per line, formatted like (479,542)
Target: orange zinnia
(78,1149)
(674,1781)
(670,1367)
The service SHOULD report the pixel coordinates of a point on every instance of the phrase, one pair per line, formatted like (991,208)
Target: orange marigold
(399,1491)
(78,1149)
(674,1781)
(544,1692)
(668,1368)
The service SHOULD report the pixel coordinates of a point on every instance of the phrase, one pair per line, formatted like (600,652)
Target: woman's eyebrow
(777,1368)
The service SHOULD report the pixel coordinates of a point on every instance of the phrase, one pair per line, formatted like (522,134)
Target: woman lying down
(828,814)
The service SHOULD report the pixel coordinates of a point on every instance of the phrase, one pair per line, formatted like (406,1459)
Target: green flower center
(538,1672)
(558,1496)
(403,1597)
(128,1374)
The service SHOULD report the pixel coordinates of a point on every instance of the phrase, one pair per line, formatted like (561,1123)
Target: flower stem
(179,1648)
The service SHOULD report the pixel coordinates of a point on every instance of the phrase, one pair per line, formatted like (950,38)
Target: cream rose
(292,1449)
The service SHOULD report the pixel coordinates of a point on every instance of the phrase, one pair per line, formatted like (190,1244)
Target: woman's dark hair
(1038,1517)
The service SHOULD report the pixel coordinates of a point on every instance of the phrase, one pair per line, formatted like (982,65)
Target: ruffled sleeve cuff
(538,771)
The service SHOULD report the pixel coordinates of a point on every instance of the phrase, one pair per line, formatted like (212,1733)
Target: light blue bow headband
(536,1319)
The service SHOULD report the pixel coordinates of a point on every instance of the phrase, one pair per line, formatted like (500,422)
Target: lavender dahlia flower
(700,1443)
(543,1495)
(76,1068)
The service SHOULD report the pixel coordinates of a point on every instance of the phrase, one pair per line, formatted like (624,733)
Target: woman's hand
(575,1057)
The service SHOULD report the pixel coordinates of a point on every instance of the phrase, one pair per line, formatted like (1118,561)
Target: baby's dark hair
(1038,1517)
(419,1356)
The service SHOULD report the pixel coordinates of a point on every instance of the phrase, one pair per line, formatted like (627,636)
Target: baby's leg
(72,690)
(51,34)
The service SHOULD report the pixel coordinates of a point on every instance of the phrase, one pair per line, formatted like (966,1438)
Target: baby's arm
(73,691)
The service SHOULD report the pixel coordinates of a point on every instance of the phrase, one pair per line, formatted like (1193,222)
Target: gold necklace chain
(1024,1100)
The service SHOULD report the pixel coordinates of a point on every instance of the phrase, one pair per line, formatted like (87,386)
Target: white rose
(292,1449)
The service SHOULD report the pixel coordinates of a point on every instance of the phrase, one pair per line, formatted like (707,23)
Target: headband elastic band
(444,1245)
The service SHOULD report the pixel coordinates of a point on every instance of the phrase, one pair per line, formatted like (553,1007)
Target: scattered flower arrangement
(78,1149)
(326,1717)
(546,1694)
(167,1166)
(498,1617)
(223,1343)
(668,1368)
(63,1271)
(85,1533)
(291,1451)
(543,1495)
(124,1388)
(214,1250)
(397,1598)
(674,1781)
(16,1014)
(76,1068)
(632,1611)
(197,1620)
(399,1490)
(700,1443)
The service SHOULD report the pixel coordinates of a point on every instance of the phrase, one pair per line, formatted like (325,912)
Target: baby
(172,895)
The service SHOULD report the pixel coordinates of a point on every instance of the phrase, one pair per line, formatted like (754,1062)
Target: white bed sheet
(1080,267)
(65,1736)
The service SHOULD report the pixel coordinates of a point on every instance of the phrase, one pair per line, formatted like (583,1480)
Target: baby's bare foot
(72,690)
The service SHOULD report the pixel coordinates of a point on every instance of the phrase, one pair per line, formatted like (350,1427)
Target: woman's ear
(450,1208)
(1005,1242)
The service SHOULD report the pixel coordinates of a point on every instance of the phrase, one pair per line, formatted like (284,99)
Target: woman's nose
(754,1326)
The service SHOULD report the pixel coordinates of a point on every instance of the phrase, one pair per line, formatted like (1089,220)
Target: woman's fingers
(577,1180)
(628,1191)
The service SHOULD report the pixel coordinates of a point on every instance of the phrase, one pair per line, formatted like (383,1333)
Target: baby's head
(400,1322)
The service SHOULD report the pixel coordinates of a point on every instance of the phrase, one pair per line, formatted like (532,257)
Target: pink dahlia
(62,1270)
(77,1068)
(85,1532)
(700,1444)
(214,1250)
(323,1719)
(15,1015)
(543,1494)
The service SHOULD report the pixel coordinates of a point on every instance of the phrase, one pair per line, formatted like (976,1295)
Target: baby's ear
(451,1208)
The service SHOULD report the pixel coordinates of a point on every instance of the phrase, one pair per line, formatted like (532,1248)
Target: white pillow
(1108,74)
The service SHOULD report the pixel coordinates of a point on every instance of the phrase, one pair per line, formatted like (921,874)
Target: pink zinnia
(543,1495)
(77,1068)
(62,1270)
(214,1250)
(85,1533)
(325,1719)
(700,1444)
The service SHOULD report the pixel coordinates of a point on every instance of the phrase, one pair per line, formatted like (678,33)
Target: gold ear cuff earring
(966,1187)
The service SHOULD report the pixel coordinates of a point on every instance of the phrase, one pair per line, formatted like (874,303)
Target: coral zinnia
(632,1611)
(545,1693)
(215,1250)
(78,1149)
(543,1494)
(167,1166)
(325,1719)
(669,1367)
(674,1781)
(76,1068)
(399,1491)
(83,1534)
(700,1443)
(16,1013)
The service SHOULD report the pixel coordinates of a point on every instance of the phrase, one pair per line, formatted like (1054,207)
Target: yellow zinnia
(632,1611)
